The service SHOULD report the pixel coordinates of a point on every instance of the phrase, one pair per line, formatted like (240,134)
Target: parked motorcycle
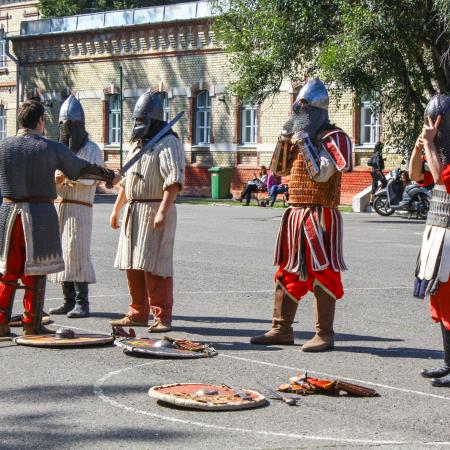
(391,198)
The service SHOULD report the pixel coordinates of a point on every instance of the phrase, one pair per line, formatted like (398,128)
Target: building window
(249,124)
(203,118)
(370,124)
(165,102)
(2,123)
(2,54)
(114,120)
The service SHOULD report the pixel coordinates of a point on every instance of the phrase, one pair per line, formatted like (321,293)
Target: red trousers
(440,305)
(15,271)
(147,292)
(328,279)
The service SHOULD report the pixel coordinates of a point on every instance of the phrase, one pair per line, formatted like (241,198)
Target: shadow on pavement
(211,319)
(395,352)
(44,430)
(411,221)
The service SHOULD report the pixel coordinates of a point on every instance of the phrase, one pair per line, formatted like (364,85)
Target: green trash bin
(220,182)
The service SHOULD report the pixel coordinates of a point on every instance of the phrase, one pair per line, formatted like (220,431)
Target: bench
(263,199)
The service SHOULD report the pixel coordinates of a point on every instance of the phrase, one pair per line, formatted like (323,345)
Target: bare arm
(416,162)
(169,197)
(433,161)
(118,205)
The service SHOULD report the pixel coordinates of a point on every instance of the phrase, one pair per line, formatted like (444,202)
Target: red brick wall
(198,181)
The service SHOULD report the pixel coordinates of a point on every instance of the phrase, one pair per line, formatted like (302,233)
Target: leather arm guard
(96,172)
(310,155)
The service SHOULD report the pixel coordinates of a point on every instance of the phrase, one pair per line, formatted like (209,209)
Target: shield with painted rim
(52,340)
(208,397)
(160,348)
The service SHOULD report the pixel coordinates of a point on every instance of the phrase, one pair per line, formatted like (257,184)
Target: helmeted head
(72,131)
(439,105)
(310,110)
(148,114)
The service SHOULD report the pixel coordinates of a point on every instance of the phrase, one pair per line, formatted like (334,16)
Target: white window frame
(203,116)
(3,133)
(114,120)
(2,53)
(374,125)
(164,96)
(251,126)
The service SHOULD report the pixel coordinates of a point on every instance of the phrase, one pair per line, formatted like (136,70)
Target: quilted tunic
(141,246)
(75,223)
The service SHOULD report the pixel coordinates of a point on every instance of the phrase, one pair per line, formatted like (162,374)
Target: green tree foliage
(396,53)
(58,8)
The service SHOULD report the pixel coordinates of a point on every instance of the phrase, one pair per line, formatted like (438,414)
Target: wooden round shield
(208,397)
(151,347)
(51,340)
(16,321)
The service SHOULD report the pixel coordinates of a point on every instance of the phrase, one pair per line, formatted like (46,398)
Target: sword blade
(151,143)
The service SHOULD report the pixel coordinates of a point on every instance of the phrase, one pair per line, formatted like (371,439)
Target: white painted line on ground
(99,393)
(262,291)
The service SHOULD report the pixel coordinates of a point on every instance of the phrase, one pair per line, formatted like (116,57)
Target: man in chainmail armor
(75,201)
(147,233)
(30,244)
(433,262)
(309,246)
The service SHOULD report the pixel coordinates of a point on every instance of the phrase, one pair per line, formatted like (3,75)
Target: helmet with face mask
(148,116)
(310,110)
(72,131)
(439,105)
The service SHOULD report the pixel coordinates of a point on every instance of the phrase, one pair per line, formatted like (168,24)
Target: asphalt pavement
(96,398)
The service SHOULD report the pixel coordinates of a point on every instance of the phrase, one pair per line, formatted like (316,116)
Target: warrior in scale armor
(433,262)
(30,244)
(309,246)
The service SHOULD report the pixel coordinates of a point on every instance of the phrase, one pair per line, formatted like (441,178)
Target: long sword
(151,143)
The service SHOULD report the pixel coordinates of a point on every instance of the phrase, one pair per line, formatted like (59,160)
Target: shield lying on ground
(166,348)
(208,397)
(16,321)
(66,339)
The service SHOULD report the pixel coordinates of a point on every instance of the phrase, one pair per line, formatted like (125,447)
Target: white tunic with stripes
(75,223)
(141,246)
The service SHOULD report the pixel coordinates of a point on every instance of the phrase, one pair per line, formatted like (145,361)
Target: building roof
(113,19)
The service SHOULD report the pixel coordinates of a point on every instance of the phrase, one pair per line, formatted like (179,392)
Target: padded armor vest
(306,192)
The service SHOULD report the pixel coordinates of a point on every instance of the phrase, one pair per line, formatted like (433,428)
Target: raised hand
(430,130)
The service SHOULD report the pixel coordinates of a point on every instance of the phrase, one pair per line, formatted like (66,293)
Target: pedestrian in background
(275,187)
(376,162)
(258,184)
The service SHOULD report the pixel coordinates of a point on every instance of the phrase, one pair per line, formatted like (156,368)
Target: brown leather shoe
(283,316)
(159,327)
(30,330)
(324,337)
(5,330)
(127,321)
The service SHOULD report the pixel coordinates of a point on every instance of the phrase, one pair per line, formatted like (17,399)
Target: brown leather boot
(4,330)
(35,327)
(284,311)
(324,338)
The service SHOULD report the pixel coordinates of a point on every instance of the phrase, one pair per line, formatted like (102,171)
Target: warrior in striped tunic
(309,246)
(147,232)
(74,204)
(433,262)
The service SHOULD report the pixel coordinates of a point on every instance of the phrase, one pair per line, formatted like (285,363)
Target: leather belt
(138,200)
(144,200)
(75,202)
(29,200)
